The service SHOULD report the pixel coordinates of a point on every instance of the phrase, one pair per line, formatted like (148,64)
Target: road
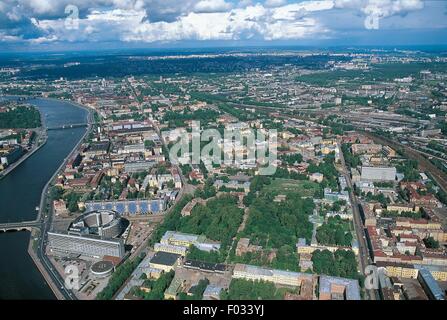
(364,257)
(46,221)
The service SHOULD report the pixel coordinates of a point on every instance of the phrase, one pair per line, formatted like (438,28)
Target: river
(20,193)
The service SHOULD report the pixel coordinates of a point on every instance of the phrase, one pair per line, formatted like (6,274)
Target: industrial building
(87,245)
(130,207)
(378,174)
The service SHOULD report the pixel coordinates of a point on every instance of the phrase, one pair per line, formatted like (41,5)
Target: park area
(286,186)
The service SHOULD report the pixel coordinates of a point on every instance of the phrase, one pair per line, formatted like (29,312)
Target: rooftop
(165,258)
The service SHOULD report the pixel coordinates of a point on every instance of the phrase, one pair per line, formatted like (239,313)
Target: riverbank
(42,270)
(67,158)
(30,275)
(47,218)
(8,170)
(40,141)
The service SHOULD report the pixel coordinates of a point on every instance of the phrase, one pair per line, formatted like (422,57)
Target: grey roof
(352,290)
(212,291)
(165,258)
(431,283)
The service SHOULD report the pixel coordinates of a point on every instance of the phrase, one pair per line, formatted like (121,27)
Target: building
(138,166)
(130,207)
(331,196)
(399,208)
(173,289)
(316,177)
(60,207)
(170,249)
(103,223)
(366,187)
(249,272)
(97,149)
(335,288)
(102,269)
(92,234)
(212,292)
(205,266)
(164,261)
(388,152)
(303,248)
(362,148)
(430,132)
(378,174)
(86,245)
(430,286)
(12,156)
(244,246)
(187,240)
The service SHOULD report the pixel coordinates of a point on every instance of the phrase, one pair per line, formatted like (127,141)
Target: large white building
(86,245)
(249,272)
(378,174)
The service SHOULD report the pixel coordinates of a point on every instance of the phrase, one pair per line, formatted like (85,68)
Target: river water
(20,193)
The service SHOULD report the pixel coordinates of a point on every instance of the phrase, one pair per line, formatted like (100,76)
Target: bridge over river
(68,126)
(20,226)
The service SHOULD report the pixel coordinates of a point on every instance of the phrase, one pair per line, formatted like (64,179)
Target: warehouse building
(378,174)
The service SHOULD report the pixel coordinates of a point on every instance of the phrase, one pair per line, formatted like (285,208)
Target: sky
(83,24)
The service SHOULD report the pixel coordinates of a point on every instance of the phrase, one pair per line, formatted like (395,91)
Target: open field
(284,186)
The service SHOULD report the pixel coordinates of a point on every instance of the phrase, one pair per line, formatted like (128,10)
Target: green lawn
(283,186)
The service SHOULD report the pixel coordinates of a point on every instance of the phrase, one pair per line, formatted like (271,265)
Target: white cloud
(274,3)
(381,8)
(212,6)
(172,20)
(254,21)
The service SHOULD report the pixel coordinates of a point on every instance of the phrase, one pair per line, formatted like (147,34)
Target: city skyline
(223,150)
(76,24)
